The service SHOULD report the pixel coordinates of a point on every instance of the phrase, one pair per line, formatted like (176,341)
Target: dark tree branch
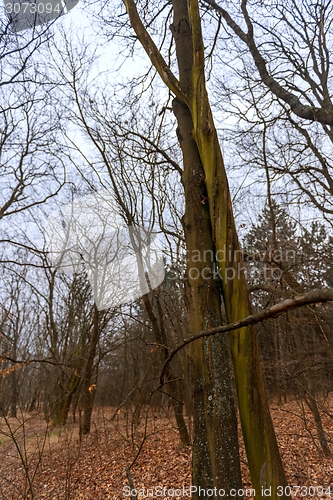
(313,113)
(153,52)
(30,361)
(315,297)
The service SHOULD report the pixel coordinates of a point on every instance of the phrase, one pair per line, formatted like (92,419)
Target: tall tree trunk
(88,389)
(215,447)
(209,225)
(173,385)
(258,432)
(261,446)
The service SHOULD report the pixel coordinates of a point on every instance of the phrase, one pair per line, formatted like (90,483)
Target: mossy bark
(261,446)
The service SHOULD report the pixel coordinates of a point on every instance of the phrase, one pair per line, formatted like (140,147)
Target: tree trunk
(312,404)
(173,385)
(61,406)
(88,390)
(258,432)
(215,447)
(13,395)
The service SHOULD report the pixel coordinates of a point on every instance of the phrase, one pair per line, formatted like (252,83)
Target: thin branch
(153,53)
(30,361)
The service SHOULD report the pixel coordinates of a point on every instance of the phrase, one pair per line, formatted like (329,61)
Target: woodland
(166,262)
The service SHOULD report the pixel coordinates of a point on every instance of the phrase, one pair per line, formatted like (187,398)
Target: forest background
(209,126)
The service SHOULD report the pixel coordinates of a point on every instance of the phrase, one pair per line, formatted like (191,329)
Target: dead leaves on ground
(60,467)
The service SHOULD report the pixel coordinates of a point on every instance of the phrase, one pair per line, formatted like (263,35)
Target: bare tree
(284,91)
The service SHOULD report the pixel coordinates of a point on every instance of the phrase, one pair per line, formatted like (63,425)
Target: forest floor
(56,464)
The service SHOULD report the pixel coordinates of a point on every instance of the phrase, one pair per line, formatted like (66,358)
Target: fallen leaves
(95,468)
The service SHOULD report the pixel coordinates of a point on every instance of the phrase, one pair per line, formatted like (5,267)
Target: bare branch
(313,113)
